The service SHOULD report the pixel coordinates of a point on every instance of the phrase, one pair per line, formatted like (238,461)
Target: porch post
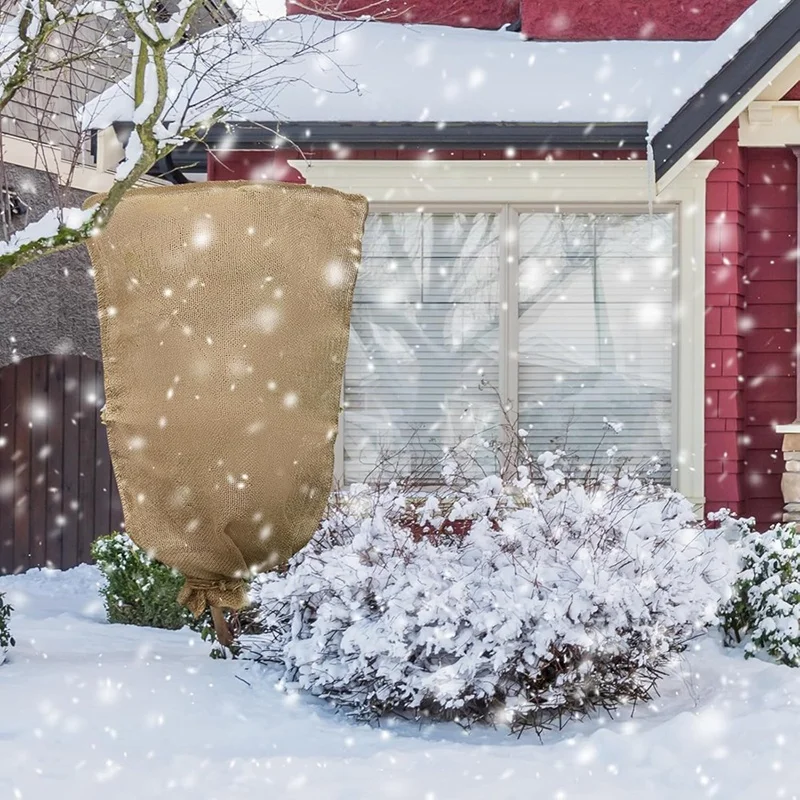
(790,482)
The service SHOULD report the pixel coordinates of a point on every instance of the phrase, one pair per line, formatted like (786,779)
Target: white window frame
(593,185)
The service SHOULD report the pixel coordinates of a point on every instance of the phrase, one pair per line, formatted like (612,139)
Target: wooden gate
(57,489)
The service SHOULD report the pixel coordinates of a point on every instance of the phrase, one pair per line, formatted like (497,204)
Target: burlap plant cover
(224,321)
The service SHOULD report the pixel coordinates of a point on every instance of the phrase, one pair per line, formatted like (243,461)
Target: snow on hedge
(6,640)
(520,603)
(764,611)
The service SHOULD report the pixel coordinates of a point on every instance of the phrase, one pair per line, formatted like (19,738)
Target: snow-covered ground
(90,710)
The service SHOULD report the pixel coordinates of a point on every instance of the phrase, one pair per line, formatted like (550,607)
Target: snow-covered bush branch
(6,640)
(526,602)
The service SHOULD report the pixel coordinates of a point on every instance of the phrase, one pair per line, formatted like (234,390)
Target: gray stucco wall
(48,305)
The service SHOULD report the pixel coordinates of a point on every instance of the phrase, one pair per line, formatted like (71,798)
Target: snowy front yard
(89,709)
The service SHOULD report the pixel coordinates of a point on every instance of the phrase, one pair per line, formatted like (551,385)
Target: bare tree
(177,87)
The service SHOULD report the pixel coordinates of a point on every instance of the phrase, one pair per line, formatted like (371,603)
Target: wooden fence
(57,488)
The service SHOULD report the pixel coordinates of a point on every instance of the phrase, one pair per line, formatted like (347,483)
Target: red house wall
(751,231)
(725,288)
(770,321)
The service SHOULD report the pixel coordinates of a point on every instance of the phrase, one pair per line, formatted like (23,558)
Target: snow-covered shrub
(766,601)
(528,602)
(6,640)
(138,589)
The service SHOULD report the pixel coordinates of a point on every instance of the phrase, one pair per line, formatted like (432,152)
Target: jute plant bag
(224,321)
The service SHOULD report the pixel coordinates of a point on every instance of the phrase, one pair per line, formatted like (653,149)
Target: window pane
(595,333)
(425,333)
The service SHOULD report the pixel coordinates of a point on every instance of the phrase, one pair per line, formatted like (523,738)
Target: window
(595,333)
(592,337)
(424,337)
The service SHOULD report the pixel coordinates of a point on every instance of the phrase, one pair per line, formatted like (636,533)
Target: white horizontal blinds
(425,333)
(596,333)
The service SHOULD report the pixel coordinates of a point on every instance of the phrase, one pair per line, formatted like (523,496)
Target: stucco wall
(49,305)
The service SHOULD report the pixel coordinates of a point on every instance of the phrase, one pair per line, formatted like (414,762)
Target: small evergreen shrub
(764,610)
(528,601)
(6,639)
(139,590)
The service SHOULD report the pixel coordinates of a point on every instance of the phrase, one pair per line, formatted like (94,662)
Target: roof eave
(722,93)
(422,135)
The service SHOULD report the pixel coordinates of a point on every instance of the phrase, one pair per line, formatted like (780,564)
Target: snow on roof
(304,68)
(715,54)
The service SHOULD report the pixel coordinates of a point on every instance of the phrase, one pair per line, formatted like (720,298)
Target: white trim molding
(602,184)
(782,82)
(786,63)
(770,124)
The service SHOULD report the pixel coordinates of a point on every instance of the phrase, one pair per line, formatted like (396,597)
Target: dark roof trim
(721,93)
(401,135)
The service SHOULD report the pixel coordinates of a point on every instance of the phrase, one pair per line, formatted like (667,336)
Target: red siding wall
(750,324)
(770,319)
(725,256)
(750,303)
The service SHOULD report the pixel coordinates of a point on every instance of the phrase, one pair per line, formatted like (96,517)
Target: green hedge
(764,611)
(139,590)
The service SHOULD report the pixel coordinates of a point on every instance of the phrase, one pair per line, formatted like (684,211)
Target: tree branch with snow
(150,140)
(177,88)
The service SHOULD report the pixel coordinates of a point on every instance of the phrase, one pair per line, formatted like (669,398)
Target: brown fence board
(8,403)
(69,482)
(57,490)
(102,468)
(89,411)
(55,460)
(37,460)
(22,475)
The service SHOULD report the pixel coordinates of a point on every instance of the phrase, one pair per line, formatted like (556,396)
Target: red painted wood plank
(766,511)
(771,196)
(771,341)
(773,219)
(773,315)
(764,461)
(762,486)
(770,413)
